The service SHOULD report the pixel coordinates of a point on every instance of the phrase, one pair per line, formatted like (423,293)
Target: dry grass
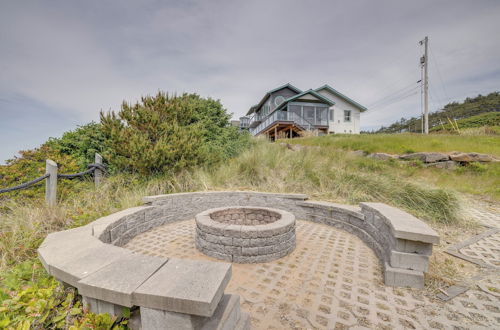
(407,143)
(323,173)
(328,174)
(25,223)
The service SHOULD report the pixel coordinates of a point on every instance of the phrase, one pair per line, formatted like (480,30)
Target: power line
(434,61)
(396,99)
(393,94)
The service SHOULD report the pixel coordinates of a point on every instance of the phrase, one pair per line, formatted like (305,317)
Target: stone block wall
(245,234)
(172,290)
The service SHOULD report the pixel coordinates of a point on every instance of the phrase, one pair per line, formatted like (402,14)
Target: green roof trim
(310,91)
(287,85)
(290,86)
(342,96)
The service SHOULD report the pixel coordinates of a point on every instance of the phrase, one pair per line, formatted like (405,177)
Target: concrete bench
(190,294)
(402,242)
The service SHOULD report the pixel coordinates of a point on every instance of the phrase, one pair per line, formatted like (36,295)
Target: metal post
(51,183)
(97,172)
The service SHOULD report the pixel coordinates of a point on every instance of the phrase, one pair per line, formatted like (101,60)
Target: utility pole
(424,62)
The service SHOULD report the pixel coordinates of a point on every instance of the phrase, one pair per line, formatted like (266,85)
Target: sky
(62,62)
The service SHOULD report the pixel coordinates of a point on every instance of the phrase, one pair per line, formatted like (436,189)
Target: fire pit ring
(244,234)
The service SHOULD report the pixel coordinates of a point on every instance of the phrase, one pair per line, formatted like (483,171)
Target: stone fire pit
(245,234)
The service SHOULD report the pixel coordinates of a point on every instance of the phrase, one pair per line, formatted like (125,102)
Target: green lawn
(406,143)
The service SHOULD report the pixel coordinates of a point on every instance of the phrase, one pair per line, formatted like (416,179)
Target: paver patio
(332,280)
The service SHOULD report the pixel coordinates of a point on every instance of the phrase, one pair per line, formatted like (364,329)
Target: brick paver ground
(331,281)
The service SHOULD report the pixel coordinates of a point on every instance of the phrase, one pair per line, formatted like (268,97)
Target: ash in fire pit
(245,234)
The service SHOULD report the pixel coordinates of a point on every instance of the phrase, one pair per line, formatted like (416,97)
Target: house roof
(310,91)
(268,94)
(342,96)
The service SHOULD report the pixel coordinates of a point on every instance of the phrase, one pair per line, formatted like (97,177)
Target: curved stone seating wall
(245,234)
(189,294)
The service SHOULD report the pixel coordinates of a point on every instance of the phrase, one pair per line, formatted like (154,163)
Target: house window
(265,109)
(331,114)
(347,115)
(278,100)
(309,112)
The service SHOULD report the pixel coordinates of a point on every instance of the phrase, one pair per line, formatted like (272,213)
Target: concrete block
(409,261)
(403,245)
(116,282)
(225,317)
(403,225)
(185,286)
(244,322)
(72,266)
(403,277)
(250,251)
(155,212)
(155,319)
(217,255)
(115,219)
(97,306)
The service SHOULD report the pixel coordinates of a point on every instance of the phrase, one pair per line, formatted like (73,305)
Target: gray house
(287,111)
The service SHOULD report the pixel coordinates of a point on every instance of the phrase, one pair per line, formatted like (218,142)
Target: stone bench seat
(109,277)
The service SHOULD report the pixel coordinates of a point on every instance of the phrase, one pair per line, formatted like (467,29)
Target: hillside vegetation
(406,143)
(452,111)
(490,120)
(482,180)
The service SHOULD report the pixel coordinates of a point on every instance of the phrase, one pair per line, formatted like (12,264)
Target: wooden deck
(286,129)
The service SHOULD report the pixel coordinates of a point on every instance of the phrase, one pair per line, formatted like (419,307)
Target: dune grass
(406,143)
(329,174)
(481,180)
(325,173)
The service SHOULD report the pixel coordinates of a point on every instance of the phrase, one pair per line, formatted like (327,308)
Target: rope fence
(51,175)
(25,185)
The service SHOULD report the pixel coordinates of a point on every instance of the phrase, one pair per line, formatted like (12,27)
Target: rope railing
(91,168)
(25,185)
(97,168)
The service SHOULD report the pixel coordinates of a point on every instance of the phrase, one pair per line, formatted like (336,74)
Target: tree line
(450,112)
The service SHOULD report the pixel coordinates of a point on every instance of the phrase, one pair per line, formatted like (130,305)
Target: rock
(448,165)
(426,157)
(471,157)
(382,156)
(294,147)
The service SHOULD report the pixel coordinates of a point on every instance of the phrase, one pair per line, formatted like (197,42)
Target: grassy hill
(477,179)
(406,143)
(491,120)
(470,107)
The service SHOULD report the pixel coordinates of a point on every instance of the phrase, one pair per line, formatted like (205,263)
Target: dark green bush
(165,133)
(81,143)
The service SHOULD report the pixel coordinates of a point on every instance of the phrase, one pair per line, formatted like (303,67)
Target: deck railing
(286,116)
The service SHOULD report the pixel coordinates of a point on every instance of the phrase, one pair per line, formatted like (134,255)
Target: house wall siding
(338,125)
(285,92)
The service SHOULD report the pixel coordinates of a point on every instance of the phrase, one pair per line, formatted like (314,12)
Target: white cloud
(78,58)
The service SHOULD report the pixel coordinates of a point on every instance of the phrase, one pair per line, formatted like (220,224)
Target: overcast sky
(61,62)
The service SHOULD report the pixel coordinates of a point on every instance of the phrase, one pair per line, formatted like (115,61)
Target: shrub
(30,165)
(82,143)
(165,133)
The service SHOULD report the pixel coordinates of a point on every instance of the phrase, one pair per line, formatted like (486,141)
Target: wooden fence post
(97,172)
(51,183)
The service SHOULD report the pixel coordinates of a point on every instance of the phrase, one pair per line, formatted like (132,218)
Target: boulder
(471,157)
(382,156)
(426,157)
(448,165)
